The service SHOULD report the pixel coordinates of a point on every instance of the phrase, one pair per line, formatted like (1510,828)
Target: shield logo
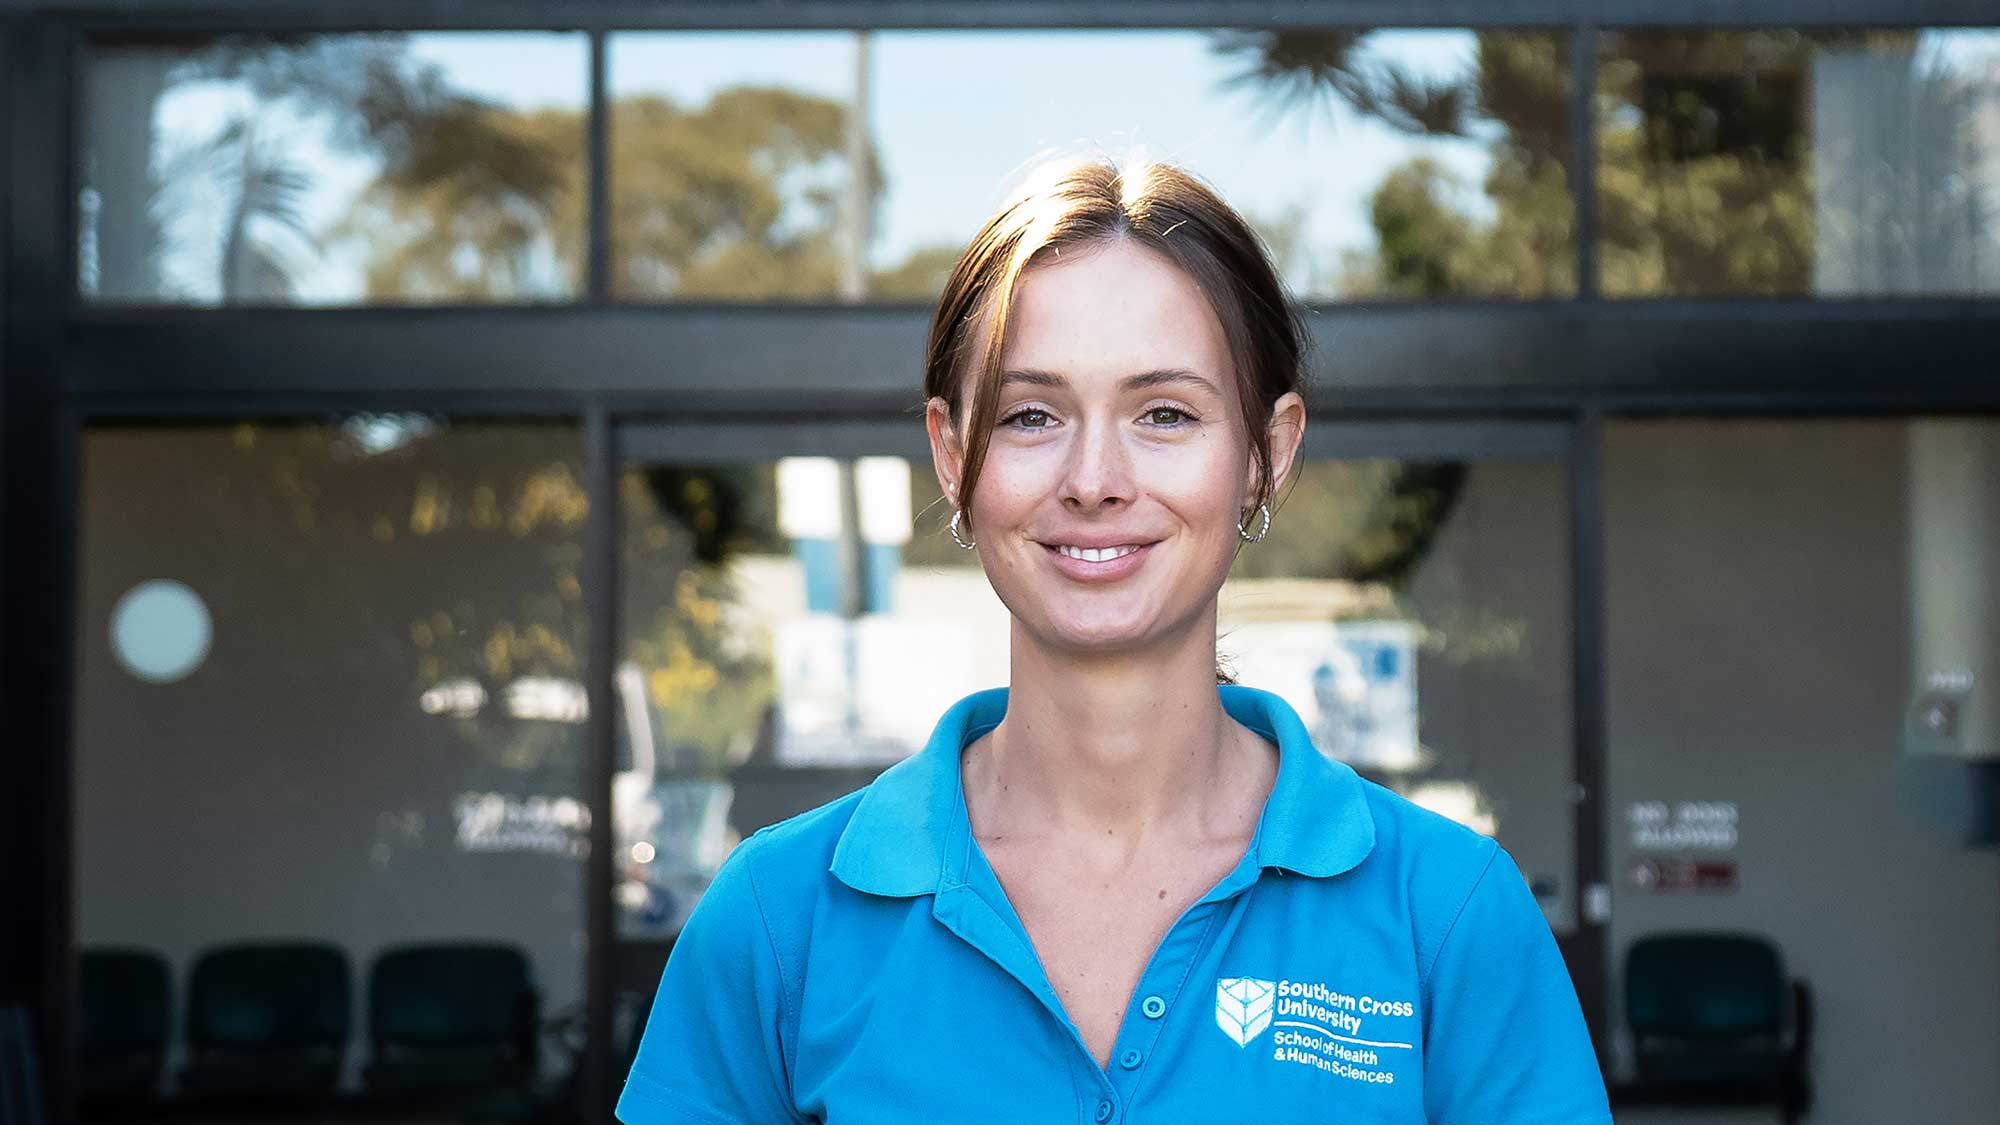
(1243,1007)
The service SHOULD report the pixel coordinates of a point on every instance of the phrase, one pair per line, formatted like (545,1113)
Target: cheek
(1203,487)
(1001,508)
(1011,483)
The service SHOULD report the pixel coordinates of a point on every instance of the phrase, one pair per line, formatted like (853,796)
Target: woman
(1121,888)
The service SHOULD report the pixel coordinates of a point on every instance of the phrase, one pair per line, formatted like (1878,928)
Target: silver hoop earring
(956,513)
(1261,532)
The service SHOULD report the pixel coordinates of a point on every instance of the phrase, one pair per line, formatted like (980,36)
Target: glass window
(775,659)
(330,828)
(334,169)
(779,653)
(1785,163)
(1375,163)
(1416,613)
(1803,647)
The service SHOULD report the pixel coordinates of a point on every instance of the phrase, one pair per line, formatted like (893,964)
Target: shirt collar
(1316,821)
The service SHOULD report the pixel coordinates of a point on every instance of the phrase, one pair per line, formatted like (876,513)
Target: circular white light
(160,630)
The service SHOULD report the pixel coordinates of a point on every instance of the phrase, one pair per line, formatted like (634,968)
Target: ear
(1285,433)
(947,447)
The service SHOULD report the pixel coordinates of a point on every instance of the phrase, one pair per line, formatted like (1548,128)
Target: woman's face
(1106,510)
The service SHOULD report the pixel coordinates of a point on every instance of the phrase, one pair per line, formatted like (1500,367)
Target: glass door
(330,804)
(794,617)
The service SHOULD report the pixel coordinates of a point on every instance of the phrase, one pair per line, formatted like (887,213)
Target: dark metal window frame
(1574,362)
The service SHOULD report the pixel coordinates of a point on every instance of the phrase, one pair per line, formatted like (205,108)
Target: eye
(1040,418)
(1173,415)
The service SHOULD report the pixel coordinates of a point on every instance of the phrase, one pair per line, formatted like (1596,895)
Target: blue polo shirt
(1366,961)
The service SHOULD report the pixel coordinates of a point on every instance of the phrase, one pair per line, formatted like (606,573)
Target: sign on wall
(1685,846)
(1684,825)
(1667,874)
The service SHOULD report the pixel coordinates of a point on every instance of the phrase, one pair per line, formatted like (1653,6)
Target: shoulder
(766,893)
(1435,862)
(788,862)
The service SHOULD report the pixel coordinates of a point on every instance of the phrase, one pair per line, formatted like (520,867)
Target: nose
(1098,473)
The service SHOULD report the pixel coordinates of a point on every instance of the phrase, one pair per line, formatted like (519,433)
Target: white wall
(1758,654)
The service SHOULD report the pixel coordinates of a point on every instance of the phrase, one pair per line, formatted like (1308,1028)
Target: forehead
(1103,312)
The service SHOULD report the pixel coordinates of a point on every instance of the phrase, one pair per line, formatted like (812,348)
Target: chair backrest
(125,996)
(1704,986)
(453,994)
(20,1069)
(269,995)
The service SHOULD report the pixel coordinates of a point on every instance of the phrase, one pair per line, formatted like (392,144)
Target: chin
(1096,634)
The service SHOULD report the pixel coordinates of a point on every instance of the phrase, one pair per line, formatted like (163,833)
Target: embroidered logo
(1362,1037)
(1243,1007)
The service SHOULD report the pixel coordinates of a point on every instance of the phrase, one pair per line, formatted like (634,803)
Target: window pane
(1376,163)
(334,169)
(1791,604)
(777,659)
(330,828)
(1830,163)
(1415,614)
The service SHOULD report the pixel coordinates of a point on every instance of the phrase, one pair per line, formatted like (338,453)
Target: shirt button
(1154,1007)
(1130,1058)
(1104,1110)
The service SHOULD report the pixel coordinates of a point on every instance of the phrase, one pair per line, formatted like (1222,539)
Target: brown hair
(1084,201)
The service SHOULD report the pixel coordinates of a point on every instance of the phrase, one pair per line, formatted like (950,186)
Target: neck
(1122,752)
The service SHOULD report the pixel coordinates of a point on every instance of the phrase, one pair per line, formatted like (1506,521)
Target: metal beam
(36,573)
(598,1088)
(1590,729)
(1583,54)
(643,14)
(864,359)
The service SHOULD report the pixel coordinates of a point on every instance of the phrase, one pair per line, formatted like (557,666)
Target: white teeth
(1096,554)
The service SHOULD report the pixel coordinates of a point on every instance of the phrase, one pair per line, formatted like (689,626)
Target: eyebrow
(1142,380)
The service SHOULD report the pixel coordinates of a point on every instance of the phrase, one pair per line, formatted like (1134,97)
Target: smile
(1098,564)
(1095,554)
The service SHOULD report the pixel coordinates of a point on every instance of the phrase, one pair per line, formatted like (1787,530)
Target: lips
(1104,563)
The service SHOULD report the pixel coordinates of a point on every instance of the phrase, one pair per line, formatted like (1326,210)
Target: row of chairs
(272,1019)
(1715,1020)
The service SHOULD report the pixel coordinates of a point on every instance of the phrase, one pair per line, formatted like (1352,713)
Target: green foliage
(1356,521)
(1427,242)
(1702,187)
(1704,179)
(707,681)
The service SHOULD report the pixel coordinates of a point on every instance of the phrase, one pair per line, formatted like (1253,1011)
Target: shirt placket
(1158,1000)
(971,903)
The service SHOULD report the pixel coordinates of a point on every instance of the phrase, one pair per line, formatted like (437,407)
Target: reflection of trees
(268,189)
(372,100)
(1703,153)
(455,556)
(1783,162)
(1516,94)
(1705,177)
(734,198)
(1356,521)
(358,576)
(737,198)
(476,206)
(1310,67)
(1414,505)
(1706,184)
(707,680)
